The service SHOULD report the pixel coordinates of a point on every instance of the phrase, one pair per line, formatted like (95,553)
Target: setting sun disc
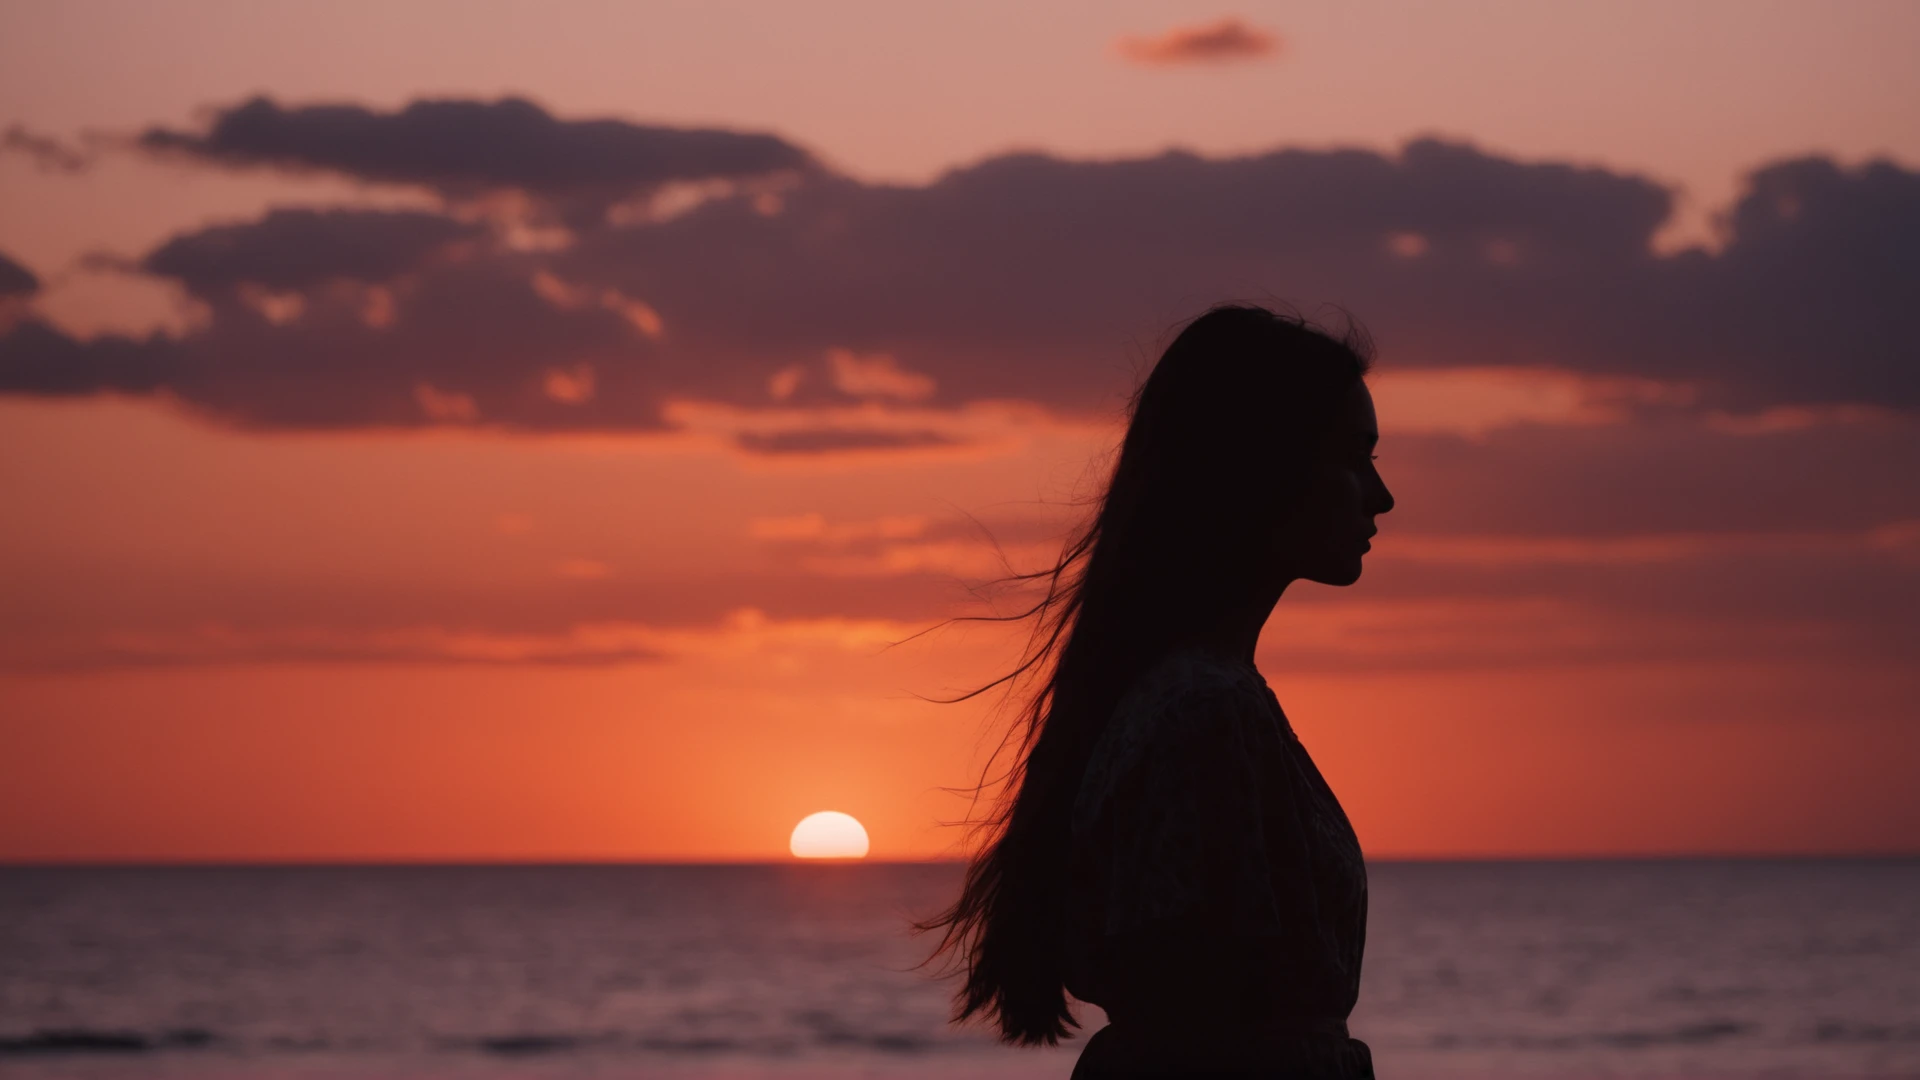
(829,834)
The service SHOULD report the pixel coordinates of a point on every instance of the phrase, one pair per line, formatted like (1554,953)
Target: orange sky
(1642,594)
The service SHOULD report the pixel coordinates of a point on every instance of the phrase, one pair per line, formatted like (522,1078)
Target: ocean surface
(1680,969)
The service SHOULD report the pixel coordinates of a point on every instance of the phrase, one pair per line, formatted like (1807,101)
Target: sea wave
(58,1041)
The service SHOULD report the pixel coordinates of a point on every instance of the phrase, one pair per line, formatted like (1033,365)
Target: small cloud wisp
(1222,41)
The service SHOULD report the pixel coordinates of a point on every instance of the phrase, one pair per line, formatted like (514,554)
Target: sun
(829,834)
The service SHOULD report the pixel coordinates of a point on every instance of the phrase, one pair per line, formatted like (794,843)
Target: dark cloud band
(16,280)
(466,147)
(1022,277)
(298,249)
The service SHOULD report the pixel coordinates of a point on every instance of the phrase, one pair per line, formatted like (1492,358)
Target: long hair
(1215,457)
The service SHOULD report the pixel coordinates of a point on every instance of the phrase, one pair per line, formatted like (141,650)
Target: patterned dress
(1219,893)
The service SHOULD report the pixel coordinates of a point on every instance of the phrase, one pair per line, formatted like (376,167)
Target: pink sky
(575,536)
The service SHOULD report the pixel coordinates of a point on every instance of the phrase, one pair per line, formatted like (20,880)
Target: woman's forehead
(1355,418)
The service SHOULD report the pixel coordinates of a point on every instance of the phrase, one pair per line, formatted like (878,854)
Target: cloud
(1548,544)
(813,527)
(830,440)
(737,631)
(876,376)
(587,645)
(1022,278)
(582,569)
(46,152)
(463,148)
(1812,298)
(1028,276)
(1662,475)
(466,341)
(1490,602)
(38,359)
(16,280)
(292,249)
(1227,39)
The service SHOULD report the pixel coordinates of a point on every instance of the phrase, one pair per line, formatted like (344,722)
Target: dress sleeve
(1189,831)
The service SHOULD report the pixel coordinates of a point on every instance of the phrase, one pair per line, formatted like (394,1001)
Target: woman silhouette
(1165,848)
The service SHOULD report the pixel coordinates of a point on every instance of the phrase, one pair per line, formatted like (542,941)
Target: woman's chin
(1338,575)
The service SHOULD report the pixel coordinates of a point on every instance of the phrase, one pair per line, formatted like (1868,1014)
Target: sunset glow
(460,436)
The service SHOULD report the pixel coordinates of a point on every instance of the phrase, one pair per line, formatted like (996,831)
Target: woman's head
(1247,464)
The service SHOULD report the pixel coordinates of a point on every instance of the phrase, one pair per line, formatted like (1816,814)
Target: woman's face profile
(1326,540)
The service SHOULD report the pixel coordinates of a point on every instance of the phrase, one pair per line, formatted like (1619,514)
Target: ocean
(1684,969)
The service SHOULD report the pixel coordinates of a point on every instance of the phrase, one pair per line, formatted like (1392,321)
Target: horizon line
(535,863)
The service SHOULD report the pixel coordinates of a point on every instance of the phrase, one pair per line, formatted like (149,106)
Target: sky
(484,432)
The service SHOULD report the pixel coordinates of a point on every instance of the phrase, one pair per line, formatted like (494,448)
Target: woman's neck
(1235,636)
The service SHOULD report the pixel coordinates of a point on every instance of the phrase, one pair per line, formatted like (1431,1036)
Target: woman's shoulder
(1194,669)
(1188,696)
